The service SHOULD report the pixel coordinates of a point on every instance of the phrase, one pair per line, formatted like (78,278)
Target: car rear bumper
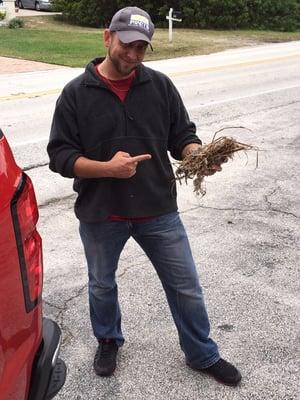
(49,372)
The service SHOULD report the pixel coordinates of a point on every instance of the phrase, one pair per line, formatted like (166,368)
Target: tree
(225,14)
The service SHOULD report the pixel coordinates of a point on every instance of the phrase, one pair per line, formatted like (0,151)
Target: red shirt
(121,88)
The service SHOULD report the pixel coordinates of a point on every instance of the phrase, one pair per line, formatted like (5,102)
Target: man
(111,131)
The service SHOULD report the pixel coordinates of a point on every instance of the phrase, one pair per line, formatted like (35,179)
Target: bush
(233,14)
(2,15)
(16,23)
(283,15)
(95,13)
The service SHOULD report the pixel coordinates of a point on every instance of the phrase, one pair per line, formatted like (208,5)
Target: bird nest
(199,164)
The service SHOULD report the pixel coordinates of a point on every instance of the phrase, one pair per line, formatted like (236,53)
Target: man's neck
(107,70)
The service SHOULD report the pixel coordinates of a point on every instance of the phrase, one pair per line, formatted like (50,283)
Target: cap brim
(132,36)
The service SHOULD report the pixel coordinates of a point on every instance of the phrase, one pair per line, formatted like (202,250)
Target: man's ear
(107,36)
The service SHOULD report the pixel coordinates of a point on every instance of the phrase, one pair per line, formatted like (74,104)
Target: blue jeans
(165,242)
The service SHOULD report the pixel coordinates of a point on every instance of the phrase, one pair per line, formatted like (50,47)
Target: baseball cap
(131,24)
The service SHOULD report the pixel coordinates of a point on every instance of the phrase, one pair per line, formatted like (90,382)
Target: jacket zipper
(126,114)
(123,104)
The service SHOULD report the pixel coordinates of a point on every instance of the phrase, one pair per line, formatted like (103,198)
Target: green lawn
(64,48)
(50,40)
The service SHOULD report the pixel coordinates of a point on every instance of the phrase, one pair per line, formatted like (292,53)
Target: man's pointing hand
(122,165)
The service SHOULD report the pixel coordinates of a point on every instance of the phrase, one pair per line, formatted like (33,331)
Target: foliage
(229,14)
(16,23)
(93,13)
(282,15)
(2,15)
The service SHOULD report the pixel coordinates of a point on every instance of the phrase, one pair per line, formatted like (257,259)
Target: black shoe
(224,372)
(105,357)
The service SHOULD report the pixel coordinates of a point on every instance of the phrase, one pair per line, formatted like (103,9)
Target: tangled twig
(196,164)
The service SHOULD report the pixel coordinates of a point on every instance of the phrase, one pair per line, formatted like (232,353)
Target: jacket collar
(91,78)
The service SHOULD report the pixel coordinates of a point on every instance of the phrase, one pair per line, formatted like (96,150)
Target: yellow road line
(32,95)
(235,65)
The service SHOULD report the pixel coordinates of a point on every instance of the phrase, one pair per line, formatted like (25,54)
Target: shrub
(94,13)
(15,23)
(2,15)
(283,15)
(233,14)
(225,14)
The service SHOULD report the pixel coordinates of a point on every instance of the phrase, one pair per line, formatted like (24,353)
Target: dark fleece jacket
(91,121)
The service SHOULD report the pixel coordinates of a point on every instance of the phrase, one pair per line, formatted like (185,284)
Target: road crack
(33,166)
(272,208)
(68,335)
(233,209)
(55,200)
(242,114)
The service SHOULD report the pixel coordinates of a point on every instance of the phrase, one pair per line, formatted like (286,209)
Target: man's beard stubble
(118,66)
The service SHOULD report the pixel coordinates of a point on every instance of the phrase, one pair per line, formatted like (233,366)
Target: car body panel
(22,329)
(9,171)
(31,4)
(18,341)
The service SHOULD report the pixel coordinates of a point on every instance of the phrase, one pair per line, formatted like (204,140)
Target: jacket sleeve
(182,130)
(64,145)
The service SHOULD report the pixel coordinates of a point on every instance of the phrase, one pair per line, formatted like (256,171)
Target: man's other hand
(190,148)
(193,148)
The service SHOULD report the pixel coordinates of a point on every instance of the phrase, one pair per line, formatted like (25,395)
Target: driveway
(14,65)
(33,13)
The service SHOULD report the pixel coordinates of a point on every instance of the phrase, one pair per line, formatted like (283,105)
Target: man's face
(125,57)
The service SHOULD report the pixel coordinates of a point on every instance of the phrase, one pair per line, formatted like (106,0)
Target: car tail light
(25,216)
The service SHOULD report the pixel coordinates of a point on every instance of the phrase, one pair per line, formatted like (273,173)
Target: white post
(170,24)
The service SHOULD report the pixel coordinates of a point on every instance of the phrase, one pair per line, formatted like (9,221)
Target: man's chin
(128,70)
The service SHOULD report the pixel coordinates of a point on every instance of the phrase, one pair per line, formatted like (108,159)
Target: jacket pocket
(97,129)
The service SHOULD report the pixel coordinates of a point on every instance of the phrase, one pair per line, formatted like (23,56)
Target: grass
(48,39)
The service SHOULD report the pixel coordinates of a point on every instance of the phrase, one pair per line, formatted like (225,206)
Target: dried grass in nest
(195,165)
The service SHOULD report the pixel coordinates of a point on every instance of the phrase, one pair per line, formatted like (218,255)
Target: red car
(29,344)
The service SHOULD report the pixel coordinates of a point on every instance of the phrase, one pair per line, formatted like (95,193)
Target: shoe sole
(104,374)
(220,381)
(216,379)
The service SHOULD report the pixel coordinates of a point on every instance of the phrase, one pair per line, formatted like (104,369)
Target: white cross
(171,19)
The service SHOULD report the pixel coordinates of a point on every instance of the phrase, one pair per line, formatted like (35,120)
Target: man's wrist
(86,168)
(190,148)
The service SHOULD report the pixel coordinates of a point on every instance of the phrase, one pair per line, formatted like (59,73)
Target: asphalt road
(244,235)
